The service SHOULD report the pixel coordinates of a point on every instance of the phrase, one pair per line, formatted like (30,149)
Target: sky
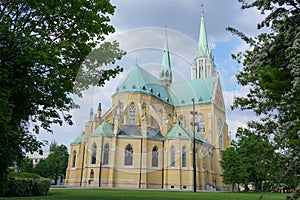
(140,29)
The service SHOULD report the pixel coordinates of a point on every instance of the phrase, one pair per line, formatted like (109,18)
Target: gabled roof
(201,90)
(78,139)
(178,132)
(105,129)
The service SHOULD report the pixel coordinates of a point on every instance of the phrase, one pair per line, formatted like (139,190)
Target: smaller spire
(91,115)
(99,106)
(166,72)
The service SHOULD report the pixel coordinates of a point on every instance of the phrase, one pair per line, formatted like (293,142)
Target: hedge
(22,187)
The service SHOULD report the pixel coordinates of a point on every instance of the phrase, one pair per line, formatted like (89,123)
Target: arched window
(172,156)
(132,114)
(106,154)
(220,131)
(201,123)
(167,73)
(94,153)
(155,157)
(128,155)
(183,157)
(74,159)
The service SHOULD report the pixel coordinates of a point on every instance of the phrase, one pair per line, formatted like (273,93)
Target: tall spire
(165,75)
(203,65)
(203,49)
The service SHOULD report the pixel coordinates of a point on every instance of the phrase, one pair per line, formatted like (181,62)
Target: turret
(165,75)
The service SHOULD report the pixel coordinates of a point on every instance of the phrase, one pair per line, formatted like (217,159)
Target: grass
(116,194)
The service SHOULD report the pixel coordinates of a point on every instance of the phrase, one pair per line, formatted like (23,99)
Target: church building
(146,139)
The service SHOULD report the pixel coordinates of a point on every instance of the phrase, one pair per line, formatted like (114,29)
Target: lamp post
(194,145)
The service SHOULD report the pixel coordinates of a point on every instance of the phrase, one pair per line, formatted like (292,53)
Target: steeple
(165,75)
(203,65)
(203,49)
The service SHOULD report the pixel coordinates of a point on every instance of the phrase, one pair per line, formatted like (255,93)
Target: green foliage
(252,159)
(234,170)
(24,175)
(55,164)
(43,46)
(53,146)
(22,187)
(272,70)
(26,165)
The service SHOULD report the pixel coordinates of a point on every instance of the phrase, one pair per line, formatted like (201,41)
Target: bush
(24,175)
(27,184)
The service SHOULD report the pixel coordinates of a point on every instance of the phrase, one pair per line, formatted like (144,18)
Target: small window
(155,157)
(181,120)
(183,157)
(74,159)
(94,154)
(106,154)
(132,114)
(133,87)
(172,156)
(128,155)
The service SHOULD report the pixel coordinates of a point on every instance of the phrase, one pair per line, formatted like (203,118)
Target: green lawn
(113,194)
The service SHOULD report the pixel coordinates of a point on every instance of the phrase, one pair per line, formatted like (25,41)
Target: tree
(55,165)
(42,168)
(53,146)
(58,162)
(26,165)
(43,45)
(272,70)
(258,156)
(251,159)
(234,170)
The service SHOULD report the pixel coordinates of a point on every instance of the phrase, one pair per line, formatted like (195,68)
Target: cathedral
(158,133)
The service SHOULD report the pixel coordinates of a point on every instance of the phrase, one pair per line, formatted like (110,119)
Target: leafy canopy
(272,70)
(43,45)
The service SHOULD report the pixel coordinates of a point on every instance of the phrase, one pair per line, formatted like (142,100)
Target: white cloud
(236,118)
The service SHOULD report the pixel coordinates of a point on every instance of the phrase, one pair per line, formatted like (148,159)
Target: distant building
(36,157)
(145,140)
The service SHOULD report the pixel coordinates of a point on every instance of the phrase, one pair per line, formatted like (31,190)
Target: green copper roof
(203,49)
(139,80)
(201,90)
(78,139)
(105,129)
(178,132)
